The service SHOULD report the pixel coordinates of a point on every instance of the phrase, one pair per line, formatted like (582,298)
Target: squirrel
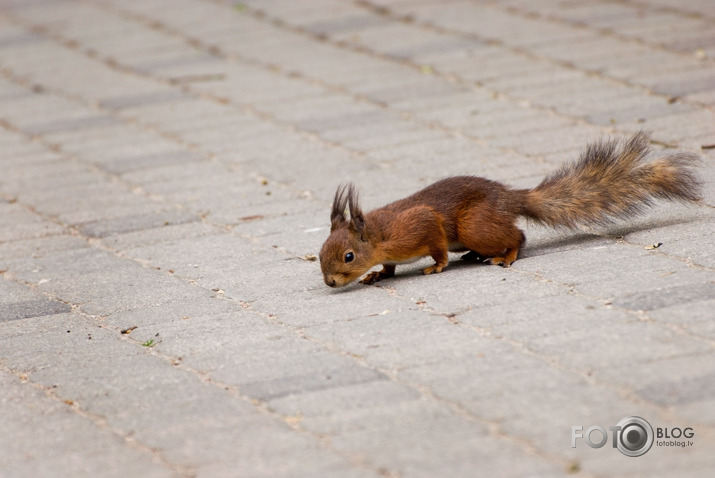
(610,180)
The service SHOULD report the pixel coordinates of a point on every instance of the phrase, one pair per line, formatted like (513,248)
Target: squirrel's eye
(349,257)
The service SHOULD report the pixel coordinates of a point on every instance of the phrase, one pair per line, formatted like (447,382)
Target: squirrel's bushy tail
(611,181)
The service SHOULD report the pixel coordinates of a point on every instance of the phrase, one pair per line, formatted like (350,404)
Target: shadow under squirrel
(609,181)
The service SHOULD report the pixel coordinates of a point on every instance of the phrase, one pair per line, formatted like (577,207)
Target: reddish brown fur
(466,213)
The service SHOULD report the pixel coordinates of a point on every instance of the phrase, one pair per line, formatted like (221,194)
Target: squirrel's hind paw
(499,261)
(435,269)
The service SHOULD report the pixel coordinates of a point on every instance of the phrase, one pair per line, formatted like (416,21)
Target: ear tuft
(357,220)
(338,213)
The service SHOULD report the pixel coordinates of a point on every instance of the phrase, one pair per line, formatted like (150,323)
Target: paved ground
(166,168)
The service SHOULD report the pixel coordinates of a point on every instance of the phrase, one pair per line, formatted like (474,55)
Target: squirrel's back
(451,196)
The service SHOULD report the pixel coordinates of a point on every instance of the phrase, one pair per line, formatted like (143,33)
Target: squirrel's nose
(329,281)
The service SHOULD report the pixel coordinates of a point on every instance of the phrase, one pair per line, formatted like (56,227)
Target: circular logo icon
(635,436)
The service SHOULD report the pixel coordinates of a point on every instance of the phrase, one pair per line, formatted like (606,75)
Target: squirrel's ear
(357,220)
(338,211)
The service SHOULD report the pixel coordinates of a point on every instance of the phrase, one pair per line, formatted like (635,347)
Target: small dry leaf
(426,69)
(294,419)
(654,246)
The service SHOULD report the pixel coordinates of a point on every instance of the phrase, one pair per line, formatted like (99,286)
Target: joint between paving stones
(493,426)
(663,8)
(134,188)
(177,362)
(450,78)
(100,423)
(609,31)
(639,314)
(214,51)
(259,14)
(552,361)
(235,391)
(205,377)
(233,57)
(526,53)
(113,64)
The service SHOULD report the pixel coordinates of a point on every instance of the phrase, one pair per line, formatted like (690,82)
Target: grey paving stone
(31,308)
(674,128)
(400,339)
(149,320)
(168,233)
(679,392)
(70,125)
(129,286)
(31,109)
(468,450)
(10,251)
(667,297)
(463,285)
(135,223)
(642,344)
(360,395)
(540,318)
(379,418)
(313,303)
(53,173)
(122,165)
(135,101)
(271,390)
(196,258)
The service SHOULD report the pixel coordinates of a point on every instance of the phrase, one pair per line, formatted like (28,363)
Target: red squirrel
(610,180)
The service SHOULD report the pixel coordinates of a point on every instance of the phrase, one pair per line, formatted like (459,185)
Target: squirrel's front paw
(371,278)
